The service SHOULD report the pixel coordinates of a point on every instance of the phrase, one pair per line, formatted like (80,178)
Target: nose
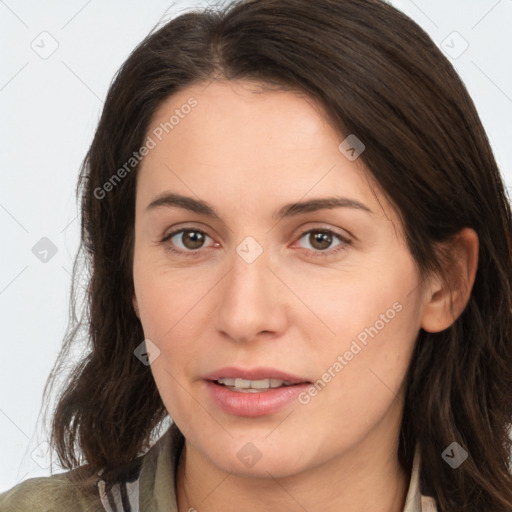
(252,301)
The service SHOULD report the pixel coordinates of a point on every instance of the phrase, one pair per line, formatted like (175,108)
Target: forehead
(248,142)
(258,117)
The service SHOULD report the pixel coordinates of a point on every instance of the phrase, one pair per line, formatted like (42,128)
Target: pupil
(321,240)
(193,239)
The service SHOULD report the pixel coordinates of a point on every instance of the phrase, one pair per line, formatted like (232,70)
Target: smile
(252,386)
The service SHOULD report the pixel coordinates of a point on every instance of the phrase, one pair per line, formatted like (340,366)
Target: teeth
(239,384)
(276,383)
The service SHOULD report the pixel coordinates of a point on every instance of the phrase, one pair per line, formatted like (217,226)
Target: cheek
(166,297)
(361,369)
(368,324)
(361,303)
(173,317)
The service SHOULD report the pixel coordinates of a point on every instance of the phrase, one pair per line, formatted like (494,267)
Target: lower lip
(262,403)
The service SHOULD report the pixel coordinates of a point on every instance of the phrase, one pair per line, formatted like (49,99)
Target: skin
(296,307)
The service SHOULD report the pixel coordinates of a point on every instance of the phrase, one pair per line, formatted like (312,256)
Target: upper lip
(258,373)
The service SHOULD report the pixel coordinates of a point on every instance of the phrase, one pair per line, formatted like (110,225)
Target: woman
(300,251)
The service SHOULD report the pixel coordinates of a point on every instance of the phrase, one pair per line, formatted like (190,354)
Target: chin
(256,459)
(266,468)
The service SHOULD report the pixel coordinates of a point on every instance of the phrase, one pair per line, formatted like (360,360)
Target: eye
(187,240)
(321,242)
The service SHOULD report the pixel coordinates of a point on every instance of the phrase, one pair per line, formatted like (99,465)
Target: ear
(447,295)
(136,306)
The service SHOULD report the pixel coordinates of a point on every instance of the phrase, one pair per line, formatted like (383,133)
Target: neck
(378,484)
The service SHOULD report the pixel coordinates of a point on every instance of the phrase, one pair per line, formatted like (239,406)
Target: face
(233,282)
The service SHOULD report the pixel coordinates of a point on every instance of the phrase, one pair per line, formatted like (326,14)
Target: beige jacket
(147,488)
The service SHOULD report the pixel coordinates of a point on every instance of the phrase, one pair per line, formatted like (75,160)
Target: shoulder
(49,494)
(62,492)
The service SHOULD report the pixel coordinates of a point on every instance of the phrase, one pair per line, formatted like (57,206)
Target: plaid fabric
(121,497)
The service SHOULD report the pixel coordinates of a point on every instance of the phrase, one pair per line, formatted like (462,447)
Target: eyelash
(345,242)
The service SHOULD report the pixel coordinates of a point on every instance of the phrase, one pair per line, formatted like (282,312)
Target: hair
(378,75)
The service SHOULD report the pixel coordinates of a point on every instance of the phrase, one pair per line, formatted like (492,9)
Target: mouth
(253,386)
(255,380)
(253,392)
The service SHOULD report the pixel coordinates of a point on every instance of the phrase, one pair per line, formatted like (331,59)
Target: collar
(160,464)
(414,500)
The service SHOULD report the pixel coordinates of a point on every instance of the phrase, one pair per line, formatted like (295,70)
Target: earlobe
(448,295)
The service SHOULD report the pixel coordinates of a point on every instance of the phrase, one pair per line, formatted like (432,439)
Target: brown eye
(320,240)
(192,239)
(323,242)
(186,240)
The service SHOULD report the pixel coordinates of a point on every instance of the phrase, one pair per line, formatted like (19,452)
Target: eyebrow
(169,199)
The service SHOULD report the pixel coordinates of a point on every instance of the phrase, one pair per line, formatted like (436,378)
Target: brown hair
(379,76)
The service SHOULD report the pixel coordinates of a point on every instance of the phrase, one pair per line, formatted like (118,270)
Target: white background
(49,110)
